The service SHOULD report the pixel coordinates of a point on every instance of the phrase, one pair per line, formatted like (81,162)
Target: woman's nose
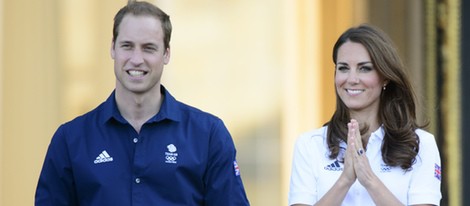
(353,78)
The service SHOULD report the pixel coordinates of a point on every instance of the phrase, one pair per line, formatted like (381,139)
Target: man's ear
(166,56)
(112,51)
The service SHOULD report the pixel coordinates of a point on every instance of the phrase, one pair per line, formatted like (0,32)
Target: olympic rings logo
(171,158)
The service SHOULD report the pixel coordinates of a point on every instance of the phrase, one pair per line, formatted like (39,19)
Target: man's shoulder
(86,118)
(184,110)
(192,112)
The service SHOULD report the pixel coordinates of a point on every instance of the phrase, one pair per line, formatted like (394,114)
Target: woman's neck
(366,120)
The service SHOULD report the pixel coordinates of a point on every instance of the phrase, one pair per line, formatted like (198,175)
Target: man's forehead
(146,17)
(140,27)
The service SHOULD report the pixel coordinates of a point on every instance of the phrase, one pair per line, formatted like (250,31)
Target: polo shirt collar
(378,134)
(168,110)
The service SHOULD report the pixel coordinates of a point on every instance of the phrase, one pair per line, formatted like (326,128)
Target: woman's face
(357,81)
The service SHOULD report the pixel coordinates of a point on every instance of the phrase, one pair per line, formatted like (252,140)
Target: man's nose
(137,57)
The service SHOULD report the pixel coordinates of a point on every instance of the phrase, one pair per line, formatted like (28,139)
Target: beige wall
(1,100)
(29,95)
(262,66)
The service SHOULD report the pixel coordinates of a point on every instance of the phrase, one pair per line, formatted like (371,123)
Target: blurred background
(262,66)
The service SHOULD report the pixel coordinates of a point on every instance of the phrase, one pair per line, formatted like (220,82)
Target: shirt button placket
(138,162)
(135,140)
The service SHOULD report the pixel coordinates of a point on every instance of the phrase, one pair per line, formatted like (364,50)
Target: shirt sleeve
(56,184)
(426,178)
(303,182)
(223,181)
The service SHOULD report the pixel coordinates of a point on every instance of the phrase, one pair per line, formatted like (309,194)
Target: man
(141,146)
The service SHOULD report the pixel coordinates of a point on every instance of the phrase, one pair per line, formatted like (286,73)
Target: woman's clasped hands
(356,163)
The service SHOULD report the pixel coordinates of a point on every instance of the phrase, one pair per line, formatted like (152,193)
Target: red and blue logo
(437,171)
(236,168)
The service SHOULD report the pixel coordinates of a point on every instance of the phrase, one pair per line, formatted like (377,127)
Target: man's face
(139,54)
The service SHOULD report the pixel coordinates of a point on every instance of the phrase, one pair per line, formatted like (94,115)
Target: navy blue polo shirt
(182,156)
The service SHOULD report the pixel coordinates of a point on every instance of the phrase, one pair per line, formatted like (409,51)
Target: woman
(372,151)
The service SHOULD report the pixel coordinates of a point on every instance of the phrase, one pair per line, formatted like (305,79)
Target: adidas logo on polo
(103,157)
(335,166)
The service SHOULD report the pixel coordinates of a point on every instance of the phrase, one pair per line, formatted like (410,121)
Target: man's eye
(126,46)
(150,49)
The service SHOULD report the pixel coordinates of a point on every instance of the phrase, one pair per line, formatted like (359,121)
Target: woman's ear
(386,82)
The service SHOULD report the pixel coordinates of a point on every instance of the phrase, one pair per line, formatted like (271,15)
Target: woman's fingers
(356,134)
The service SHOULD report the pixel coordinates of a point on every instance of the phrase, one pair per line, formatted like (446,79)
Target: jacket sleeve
(222,178)
(56,183)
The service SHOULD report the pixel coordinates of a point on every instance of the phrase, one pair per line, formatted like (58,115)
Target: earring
(384,87)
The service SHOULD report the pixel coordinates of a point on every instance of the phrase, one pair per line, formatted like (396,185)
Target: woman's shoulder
(312,142)
(318,134)
(425,137)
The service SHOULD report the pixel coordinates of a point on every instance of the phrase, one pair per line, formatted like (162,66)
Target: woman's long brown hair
(397,110)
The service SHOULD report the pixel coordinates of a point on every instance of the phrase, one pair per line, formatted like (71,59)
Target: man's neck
(138,108)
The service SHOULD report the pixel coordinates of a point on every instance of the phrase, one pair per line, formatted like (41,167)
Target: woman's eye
(342,68)
(366,69)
